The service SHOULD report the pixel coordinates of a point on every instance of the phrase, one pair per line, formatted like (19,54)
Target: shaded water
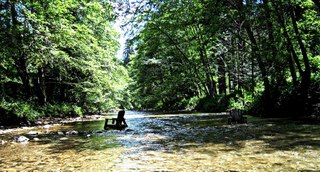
(168,142)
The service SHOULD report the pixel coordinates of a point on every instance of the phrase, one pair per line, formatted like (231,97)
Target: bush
(213,104)
(61,110)
(192,103)
(289,102)
(256,108)
(241,100)
(18,112)
(15,112)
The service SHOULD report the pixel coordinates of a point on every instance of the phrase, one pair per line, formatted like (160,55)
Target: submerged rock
(129,130)
(21,139)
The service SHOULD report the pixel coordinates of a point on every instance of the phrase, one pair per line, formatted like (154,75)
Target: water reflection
(168,142)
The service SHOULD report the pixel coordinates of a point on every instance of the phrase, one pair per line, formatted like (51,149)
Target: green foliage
(59,51)
(14,111)
(216,104)
(61,110)
(268,50)
(243,100)
(58,56)
(191,103)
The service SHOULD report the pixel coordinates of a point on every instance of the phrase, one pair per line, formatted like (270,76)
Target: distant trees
(257,55)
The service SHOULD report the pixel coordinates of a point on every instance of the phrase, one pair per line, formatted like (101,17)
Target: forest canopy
(57,57)
(260,56)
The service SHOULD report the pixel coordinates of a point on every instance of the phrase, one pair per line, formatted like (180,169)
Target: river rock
(32,133)
(36,139)
(129,130)
(60,133)
(2,142)
(21,139)
(46,126)
(63,138)
(73,132)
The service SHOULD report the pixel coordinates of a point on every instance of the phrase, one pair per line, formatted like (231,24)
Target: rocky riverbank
(50,121)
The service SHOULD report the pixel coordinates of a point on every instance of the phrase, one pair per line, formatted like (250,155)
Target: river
(165,142)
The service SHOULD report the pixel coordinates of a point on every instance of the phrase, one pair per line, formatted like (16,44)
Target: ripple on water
(166,142)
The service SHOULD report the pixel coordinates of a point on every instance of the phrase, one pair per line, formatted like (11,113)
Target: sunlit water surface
(167,142)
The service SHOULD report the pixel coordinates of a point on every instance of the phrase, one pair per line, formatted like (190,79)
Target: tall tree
(61,52)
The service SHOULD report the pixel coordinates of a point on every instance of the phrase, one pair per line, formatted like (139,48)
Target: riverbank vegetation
(58,57)
(259,56)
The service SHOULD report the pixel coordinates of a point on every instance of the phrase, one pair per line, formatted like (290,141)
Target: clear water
(167,142)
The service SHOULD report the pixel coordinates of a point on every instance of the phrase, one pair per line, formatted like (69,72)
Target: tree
(240,45)
(61,53)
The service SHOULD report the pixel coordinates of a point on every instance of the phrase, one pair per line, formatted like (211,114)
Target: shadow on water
(193,131)
(208,134)
(279,143)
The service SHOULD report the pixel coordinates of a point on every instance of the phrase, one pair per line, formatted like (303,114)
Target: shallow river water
(166,142)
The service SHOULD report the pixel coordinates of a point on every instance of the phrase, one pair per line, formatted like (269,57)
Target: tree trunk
(222,75)
(19,56)
(41,93)
(21,67)
(254,48)
(273,48)
(62,93)
(253,84)
(270,28)
(307,72)
(210,84)
(290,47)
(292,69)
(306,76)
